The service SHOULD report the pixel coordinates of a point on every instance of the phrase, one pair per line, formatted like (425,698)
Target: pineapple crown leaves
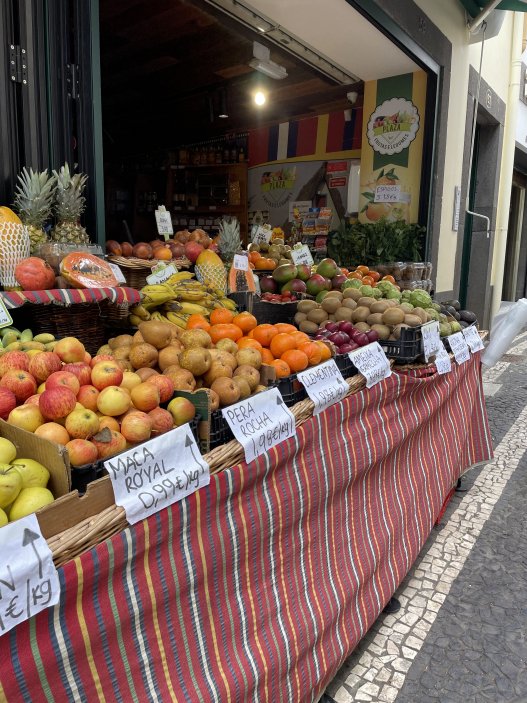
(69,198)
(34,196)
(230,241)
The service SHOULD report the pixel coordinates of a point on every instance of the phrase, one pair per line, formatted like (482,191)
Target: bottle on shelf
(226,153)
(234,154)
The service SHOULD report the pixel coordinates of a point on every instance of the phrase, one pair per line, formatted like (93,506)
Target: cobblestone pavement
(461,635)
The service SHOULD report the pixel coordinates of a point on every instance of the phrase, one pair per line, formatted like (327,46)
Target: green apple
(32,472)
(10,484)
(7,451)
(3,518)
(29,500)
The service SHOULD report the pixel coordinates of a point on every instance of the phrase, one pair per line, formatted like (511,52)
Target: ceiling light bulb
(259,98)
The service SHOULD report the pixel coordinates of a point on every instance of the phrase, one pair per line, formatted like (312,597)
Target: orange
(363,269)
(300,338)
(254,256)
(281,368)
(267,356)
(262,264)
(271,264)
(245,321)
(248,343)
(368,281)
(295,359)
(225,331)
(198,322)
(390,279)
(221,316)
(324,350)
(281,327)
(162,253)
(312,351)
(356,274)
(263,334)
(375,275)
(281,343)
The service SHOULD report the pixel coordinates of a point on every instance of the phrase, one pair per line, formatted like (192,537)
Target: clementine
(281,343)
(248,343)
(198,322)
(225,331)
(295,359)
(221,316)
(245,321)
(324,349)
(281,367)
(284,327)
(267,356)
(313,352)
(263,333)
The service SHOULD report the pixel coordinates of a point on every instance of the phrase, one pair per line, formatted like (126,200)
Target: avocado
(467,316)
(449,310)
(454,304)
(464,324)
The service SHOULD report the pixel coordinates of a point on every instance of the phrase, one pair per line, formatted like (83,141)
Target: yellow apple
(33,352)
(7,451)
(10,484)
(29,500)
(41,388)
(27,417)
(3,518)
(33,473)
(130,380)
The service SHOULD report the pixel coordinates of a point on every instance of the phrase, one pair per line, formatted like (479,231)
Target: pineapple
(210,270)
(229,239)
(33,201)
(69,206)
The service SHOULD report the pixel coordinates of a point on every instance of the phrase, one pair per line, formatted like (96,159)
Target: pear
(33,473)
(29,500)
(10,484)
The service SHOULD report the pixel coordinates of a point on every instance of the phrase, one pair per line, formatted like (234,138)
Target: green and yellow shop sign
(392,148)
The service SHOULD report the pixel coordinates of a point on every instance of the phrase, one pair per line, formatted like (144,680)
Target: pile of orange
(261,263)
(369,278)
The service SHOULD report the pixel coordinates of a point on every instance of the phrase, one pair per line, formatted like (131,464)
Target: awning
(474,7)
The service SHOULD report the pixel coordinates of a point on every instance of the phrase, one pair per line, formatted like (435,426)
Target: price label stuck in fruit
(241,262)
(324,385)
(302,255)
(157,473)
(431,340)
(161,273)
(459,347)
(372,363)
(29,581)
(5,318)
(164,222)
(473,339)
(260,422)
(442,361)
(387,194)
(119,275)
(262,235)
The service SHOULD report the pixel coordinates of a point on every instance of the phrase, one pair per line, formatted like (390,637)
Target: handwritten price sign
(260,422)
(29,581)
(372,362)
(324,385)
(473,339)
(442,362)
(459,347)
(156,474)
(302,255)
(431,340)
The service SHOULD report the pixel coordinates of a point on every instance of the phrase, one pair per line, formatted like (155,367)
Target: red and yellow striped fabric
(70,296)
(258,587)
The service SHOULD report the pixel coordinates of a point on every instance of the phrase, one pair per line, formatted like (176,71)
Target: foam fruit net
(14,246)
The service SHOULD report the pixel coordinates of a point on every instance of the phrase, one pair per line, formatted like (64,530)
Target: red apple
(21,383)
(101,357)
(113,401)
(70,350)
(164,385)
(57,402)
(27,417)
(42,365)
(182,410)
(82,424)
(81,452)
(7,402)
(87,358)
(87,396)
(32,400)
(145,396)
(162,420)
(106,373)
(136,427)
(63,379)
(14,360)
(81,370)
(110,422)
(54,432)
(108,442)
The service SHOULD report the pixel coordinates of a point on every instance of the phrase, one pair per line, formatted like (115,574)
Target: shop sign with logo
(393,126)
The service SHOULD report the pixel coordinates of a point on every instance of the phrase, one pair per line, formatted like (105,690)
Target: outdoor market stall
(259,585)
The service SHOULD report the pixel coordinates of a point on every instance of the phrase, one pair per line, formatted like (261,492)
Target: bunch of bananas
(177,299)
(12,339)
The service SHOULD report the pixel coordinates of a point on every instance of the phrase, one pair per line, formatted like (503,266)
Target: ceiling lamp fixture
(259,98)
(261,61)
(223,113)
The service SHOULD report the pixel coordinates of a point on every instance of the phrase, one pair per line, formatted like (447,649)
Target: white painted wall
(521,125)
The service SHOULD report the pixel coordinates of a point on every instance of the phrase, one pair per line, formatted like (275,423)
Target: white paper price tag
(473,339)
(262,235)
(302,255)
(431,340)
(164,222)
(5,318)
(442,361)
(161,274)
(324,385)
(241,262)
(29,581)
(260,422)
(459,347)
(119,275)
(387,194)
(372,362)
(156,474)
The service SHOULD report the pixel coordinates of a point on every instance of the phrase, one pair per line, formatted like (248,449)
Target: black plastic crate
(407,348)
(291,390)
(220,432)
(345,365)
(81,476)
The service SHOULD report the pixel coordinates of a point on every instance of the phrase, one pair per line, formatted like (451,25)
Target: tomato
(390,279)
(363,269)
(356,274)
(375,275)
(368,281)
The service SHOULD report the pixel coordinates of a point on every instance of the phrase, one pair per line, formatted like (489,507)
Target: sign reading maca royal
(392,127)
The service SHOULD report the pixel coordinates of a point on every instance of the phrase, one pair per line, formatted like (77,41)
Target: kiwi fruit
(407,307)
(334,294)
(308,327)
(396,332)
(380,306)
(317,316)
(360,314)
(300,317)
(349,303)
(362,326)
(330,304)
(366,302)
(343,314)
(375,318)
(393,316)
(412,320)
(306,306)
(352,293)
(382,330)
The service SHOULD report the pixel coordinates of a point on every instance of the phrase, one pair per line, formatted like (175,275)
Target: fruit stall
(257,452)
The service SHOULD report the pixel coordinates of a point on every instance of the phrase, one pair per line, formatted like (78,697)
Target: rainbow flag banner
(259,586)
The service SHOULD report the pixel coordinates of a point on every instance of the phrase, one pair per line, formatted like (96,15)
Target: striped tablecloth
(70,296)
(258,587)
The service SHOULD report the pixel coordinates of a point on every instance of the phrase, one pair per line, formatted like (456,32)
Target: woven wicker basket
(136,270)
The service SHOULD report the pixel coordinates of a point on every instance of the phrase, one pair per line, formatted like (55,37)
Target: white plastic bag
(506,326)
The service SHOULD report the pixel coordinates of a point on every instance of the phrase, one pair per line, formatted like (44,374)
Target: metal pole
(474,24)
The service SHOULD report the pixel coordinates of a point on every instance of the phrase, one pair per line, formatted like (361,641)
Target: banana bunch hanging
(177,299)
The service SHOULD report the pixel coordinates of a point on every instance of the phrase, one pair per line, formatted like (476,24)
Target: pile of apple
(91,406)
(22,484)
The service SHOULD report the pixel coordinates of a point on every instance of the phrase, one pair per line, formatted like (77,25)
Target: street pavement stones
(460,635)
